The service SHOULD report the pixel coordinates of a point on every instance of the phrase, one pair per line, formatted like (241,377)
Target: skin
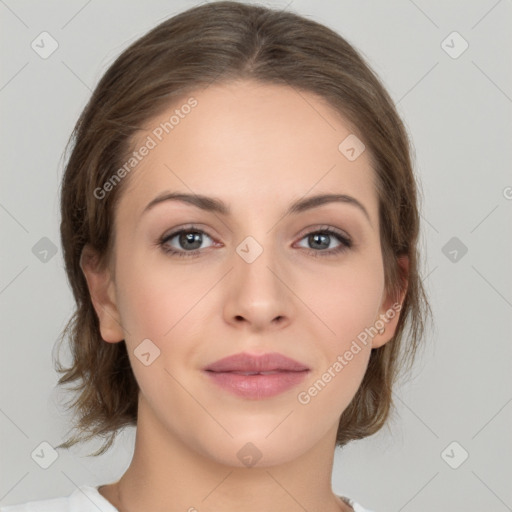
(258,148)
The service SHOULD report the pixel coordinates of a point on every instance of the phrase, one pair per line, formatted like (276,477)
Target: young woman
(240,230)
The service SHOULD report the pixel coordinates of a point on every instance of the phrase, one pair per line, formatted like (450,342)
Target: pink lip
(228,373)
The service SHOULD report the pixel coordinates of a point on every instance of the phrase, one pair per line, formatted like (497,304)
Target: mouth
(257,377)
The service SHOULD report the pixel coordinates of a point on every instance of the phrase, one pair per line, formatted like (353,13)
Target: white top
(88,499)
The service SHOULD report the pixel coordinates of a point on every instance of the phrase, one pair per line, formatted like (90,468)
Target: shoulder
(356,506)
(53,505)
(82,499)
(359,508)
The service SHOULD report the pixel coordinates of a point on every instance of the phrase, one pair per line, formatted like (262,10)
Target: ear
(389,312)
(102,291)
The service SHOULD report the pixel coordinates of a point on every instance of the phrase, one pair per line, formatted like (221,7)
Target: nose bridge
(257,294)
(256,258)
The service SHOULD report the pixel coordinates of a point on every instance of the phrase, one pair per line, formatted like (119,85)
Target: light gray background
(458,111)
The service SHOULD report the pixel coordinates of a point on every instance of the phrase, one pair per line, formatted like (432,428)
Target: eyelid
(344,239)
(187,227)
(306,231)
(325,227)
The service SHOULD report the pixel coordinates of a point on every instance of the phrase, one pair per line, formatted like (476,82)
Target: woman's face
(254,279)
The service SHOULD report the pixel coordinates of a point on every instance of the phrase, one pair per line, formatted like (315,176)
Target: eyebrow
(215,205)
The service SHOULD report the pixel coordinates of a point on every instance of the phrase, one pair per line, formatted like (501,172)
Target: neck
(166,475)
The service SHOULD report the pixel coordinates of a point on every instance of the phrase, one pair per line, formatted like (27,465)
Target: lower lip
(257,387)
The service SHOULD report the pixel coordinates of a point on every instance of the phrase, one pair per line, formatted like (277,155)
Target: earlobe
(387,321)
(102,292)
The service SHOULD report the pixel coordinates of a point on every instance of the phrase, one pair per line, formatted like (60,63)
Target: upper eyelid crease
(217,206)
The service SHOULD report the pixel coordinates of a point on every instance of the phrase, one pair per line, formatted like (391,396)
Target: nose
(257,296)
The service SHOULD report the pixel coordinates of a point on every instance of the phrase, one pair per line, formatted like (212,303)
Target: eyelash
(345,243)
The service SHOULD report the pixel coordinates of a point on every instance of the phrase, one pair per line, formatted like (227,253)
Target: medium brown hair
(222,42)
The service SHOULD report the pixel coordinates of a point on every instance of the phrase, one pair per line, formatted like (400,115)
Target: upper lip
(244,362)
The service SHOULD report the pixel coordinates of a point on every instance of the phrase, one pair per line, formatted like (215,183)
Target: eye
(186,238)
(322,238)
(189,240)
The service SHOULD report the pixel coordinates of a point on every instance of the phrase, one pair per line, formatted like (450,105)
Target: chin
(258,446)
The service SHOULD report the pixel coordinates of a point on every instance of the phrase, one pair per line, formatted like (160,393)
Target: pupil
(317,240)
(189,238)
(317,236)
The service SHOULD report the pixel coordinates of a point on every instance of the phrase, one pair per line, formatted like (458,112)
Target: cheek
(348,306)
(163,304)
(156,303)
(154,299)
(348,299)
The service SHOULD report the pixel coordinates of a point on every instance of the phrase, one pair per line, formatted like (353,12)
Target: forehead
(251,144)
